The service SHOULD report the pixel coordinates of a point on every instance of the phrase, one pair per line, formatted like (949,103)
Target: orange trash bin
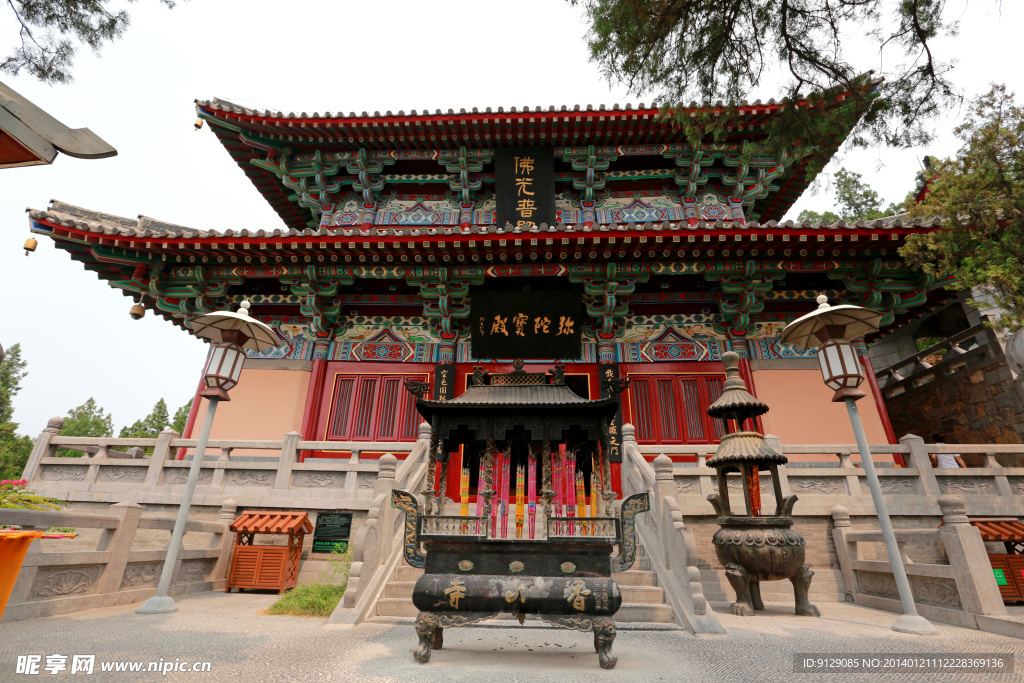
(13,548)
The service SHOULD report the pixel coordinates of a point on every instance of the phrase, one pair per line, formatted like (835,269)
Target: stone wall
(979,404)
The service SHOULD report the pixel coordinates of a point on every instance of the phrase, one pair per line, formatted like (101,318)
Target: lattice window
(672,408)
(373,408)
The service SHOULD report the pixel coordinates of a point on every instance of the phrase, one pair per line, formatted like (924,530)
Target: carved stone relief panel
(179,475)
(366,479)
(877,584)
(688,485)
(307,480)
(249,478)
(813,485)
(965,485)
(194,571)
(56,582)
(1017,484)
(63,473)
(941,592)
(898,485)
(141,575)
(122,474)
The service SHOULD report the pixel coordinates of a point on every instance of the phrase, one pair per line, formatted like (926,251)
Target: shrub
(13,495)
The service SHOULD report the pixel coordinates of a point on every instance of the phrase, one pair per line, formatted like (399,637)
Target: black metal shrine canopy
(547,411)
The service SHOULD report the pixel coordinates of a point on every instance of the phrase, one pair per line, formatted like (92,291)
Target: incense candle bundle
(531,496)
(506,465)
(557,483)
(570,491)
(464,496)
(480,503)
(520,485)
(593,497)
(496,501)
(581,502)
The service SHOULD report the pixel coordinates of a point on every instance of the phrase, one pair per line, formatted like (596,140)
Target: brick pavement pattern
(245,645)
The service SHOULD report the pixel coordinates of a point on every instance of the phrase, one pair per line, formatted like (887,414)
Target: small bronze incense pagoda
(753,547)
(552,558)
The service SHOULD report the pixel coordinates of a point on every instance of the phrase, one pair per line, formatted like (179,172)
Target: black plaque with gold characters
(525,186)
(535,324)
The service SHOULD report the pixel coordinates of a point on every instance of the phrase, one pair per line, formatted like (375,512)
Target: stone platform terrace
(244,645)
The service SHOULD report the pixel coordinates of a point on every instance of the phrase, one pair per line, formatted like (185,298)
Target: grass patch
(309,600)
(317,599)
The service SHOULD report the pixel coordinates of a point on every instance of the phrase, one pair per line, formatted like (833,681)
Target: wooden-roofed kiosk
(267,567)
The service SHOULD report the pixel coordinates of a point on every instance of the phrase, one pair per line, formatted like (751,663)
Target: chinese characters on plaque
(525,186)
(526,324)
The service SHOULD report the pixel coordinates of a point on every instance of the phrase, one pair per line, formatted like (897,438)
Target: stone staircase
(643,601)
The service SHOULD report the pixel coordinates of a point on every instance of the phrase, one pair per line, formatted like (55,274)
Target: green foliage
(50,29)
(181,417)
(13,495)
(681,50)
(150,426)
(14,449)
(856,201)
(87,419)
(309,600)
(979,193)
(12,371)
(317,599)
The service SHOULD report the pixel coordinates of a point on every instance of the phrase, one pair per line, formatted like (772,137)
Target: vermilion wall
(266,404)
(802,411)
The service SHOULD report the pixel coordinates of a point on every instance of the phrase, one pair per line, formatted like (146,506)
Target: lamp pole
(231,334)
(910,621)
(162,602)
(829,329)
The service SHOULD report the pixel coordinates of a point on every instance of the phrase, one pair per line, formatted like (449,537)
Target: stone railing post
(1003,487)
(919,459)
(287,460)
(665,487)
(119,545)
(385,483)
(845,554)
(975,581)
(161,453)
(228,512)
(42,448)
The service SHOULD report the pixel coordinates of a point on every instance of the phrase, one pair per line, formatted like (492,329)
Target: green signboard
(332,531)
(1000,577)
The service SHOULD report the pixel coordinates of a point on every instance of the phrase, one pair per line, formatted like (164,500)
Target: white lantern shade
(222,370)
(841,368)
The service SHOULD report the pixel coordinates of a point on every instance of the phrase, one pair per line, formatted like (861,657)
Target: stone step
(636,577)
(396,607)
(632,613)
(399,589)
(404,572)
(642,595)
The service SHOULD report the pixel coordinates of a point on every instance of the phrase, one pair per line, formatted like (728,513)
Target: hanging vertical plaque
(525,185)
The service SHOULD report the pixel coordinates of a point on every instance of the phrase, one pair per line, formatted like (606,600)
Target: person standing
(950,461)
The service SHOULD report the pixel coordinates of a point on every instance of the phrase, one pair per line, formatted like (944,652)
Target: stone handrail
(100,474)
(377,545)
(113,573)
(915,370)
(962,592)
(670,545)
(992,490)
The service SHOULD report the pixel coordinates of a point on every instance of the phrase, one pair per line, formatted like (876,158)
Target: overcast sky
(301,56)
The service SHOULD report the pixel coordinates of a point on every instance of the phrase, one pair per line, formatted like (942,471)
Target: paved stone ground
(244,645)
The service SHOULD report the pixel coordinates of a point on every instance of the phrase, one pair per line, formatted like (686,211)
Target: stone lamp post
(753,547)
(231,333)
(830,329)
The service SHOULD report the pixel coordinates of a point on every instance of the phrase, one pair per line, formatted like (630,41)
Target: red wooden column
(314,394)
(876,394)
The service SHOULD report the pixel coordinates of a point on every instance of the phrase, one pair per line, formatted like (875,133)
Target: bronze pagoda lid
(735,400)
